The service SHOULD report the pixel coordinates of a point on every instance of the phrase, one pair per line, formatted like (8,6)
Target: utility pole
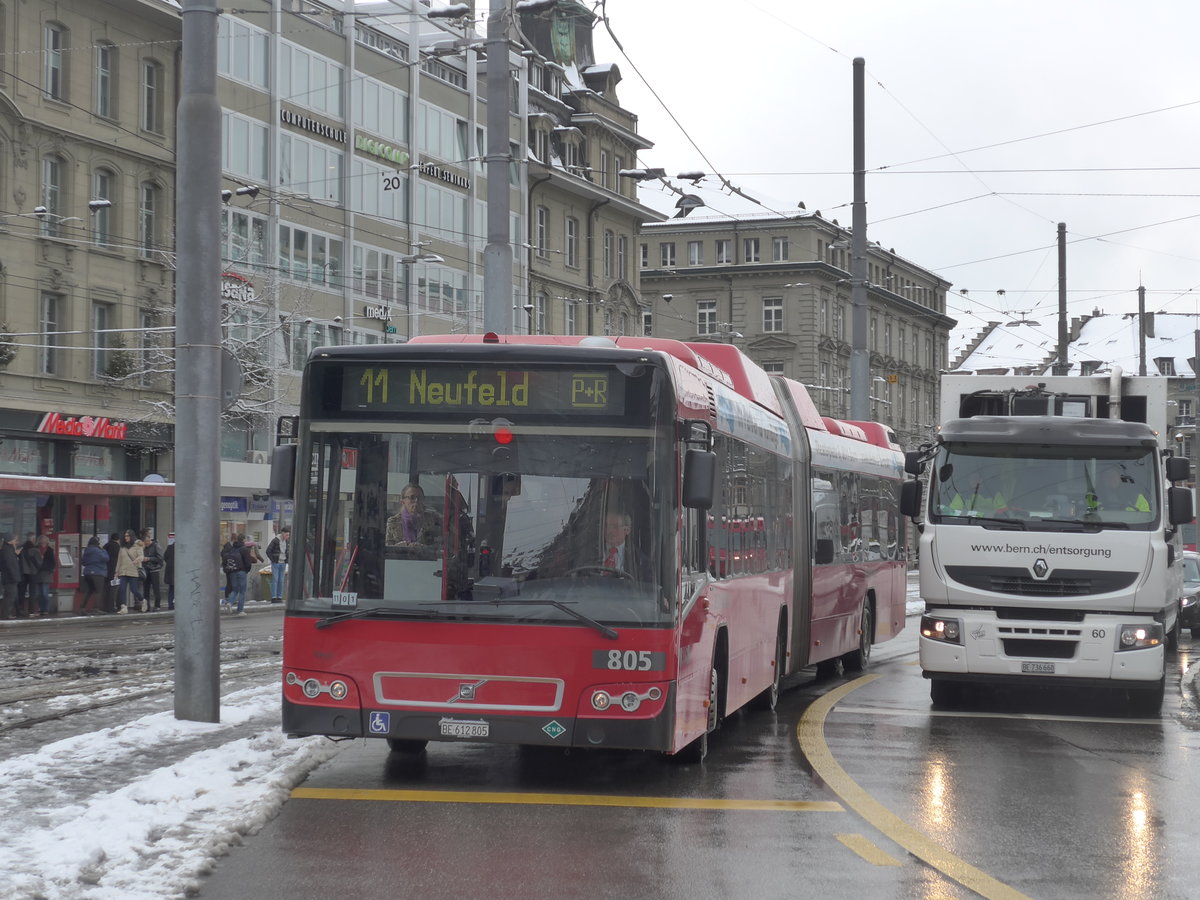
(497,255)
(860,356)
(1062,367)
(1141,329)
(197,369)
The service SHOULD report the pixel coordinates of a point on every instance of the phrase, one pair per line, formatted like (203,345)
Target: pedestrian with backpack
(236,562)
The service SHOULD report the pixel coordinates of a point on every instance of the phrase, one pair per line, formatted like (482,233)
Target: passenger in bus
(1116,489)
(980,497)
(414,524)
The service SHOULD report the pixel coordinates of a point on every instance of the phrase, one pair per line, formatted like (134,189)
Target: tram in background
(754,541)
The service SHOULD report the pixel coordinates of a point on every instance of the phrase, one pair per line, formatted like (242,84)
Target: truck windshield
(544,523)
(1045,487)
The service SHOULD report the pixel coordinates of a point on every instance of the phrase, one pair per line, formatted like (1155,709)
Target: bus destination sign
(480,389)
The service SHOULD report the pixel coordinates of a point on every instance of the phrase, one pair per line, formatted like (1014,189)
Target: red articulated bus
(572,541)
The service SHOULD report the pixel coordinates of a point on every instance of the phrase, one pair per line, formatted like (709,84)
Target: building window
(695,253)
(152,96)
(54,75)
(541,145)
(148,214)
(1166,365)
(541,230)
(666,254)
(645,256)
(772,366)
(724,252)
(539,313)
(572,248)
(570,317)
(751,252)
(772,314)
(101,338)
(605,179)
(887,338)
(52,198)
(608,254)
(106,81)
(706,317)
(779,249)
(622,257)
(838,321)
(647,324)
(50,324)
(102,189)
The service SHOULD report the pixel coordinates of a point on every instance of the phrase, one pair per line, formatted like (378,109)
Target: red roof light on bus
(504,435)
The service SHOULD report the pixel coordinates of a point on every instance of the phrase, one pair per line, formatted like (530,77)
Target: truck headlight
(1139,637)
(939,628)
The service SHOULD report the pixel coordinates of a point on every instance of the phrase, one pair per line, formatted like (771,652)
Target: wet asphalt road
(852,788)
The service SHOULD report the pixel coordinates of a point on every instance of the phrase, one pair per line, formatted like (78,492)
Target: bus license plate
(1037,668)
(464,729)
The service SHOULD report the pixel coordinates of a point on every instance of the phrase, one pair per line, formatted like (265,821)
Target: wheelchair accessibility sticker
(380,723)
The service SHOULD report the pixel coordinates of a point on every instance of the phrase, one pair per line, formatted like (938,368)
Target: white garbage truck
(1049,544)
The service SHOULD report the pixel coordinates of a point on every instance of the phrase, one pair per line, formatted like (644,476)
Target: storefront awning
(39,484)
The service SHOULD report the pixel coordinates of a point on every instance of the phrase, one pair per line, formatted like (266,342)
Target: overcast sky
(987,123)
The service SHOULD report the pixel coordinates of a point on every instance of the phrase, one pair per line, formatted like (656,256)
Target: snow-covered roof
(1103,341)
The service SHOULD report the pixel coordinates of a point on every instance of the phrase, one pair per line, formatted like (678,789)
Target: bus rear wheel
(769,698)
(406,745)
(857,660)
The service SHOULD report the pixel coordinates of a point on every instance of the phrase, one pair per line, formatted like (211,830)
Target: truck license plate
(464,729)
(1037,668)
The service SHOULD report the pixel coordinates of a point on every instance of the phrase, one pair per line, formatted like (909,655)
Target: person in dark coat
(10,576)
(30,563)
(112,548)
(47,564)
(152,565)
(169,570)
(95,574)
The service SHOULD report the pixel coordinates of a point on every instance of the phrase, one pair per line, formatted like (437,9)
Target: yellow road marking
(303,793)
(810,734)
(867,850)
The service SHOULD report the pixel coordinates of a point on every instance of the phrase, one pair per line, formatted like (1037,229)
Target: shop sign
(97,427)
(432,170)
(237,289)
(382,150)
(260,503)
(381,312)
(234,505)
(313,126)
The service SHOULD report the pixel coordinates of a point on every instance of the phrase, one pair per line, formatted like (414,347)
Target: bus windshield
(1046,486)
(486,521)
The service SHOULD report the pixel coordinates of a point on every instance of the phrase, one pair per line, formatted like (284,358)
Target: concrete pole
(1141,329)
(497,255)
(197,369)
(860,355)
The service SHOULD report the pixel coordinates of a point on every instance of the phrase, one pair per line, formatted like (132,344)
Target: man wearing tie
(616,529)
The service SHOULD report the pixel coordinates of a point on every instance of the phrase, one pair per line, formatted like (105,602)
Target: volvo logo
(467,691)
(1041,570)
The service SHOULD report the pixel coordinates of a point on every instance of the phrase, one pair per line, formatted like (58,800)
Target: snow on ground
(142,809)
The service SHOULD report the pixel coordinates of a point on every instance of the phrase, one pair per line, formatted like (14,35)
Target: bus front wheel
(698,749)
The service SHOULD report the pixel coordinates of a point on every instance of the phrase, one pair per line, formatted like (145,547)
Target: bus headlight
(601,701)
(1139,637)
(938,628)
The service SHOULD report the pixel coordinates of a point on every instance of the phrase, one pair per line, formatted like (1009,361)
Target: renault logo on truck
(1040,570)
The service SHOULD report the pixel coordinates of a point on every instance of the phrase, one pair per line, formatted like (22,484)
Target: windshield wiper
(371,611)
(1010,524)
(557,604)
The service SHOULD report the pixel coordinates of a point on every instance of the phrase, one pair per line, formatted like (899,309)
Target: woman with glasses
(413,525)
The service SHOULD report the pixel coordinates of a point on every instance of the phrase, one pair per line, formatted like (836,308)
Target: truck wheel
(945,694)
(858,660)
(1148,703)
(1195,632)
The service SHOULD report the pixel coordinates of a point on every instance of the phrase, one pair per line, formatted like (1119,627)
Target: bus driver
(413,525)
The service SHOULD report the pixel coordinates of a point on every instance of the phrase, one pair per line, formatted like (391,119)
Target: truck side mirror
(910,499)
(1179,506)
(1178,468)
(283,471)
(912,462)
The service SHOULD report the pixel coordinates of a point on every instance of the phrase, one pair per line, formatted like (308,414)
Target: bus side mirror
(283,471)
(1179,505)
(699,478)
(910,499)
(912,462)
(1178,468)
